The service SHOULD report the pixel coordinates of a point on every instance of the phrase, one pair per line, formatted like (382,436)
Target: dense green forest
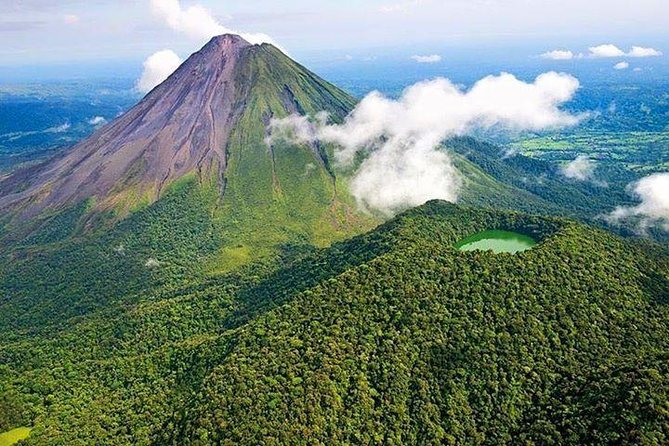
(393,337)
(58,265)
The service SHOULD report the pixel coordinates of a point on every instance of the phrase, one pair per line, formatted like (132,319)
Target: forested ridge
(392,337)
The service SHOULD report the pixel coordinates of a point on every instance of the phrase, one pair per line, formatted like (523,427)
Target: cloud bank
(558,55)
(621,66)
(653,191)
(97,120)
(157,68)
(404,164)
(581,169)
(434,58)
(605,51)
(196,22)
(638,51)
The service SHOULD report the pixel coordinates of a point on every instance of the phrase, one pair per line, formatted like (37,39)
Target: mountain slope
(181,184)
(206,121)
(180,127)
(185,184)
(394,337)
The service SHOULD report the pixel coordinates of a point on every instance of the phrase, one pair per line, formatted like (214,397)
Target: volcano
(214,107)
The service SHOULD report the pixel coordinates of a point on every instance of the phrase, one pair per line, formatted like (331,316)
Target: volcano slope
(185,184)
(182,183)
(393,337)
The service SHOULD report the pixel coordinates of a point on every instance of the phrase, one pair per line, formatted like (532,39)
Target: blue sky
(71,31)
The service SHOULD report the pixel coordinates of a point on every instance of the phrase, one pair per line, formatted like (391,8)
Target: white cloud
(59,128)
(97,120)
(606,51)
(196,22)
(581,169)
(638,51)
(434,58)
(621,66)
(558,55)
(14,136)
(613,107)
(610,50)
(152,263)
(400,139)
(601,52)
(157,68)
(71,19)
(653,191)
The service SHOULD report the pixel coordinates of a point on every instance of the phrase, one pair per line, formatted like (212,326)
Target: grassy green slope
(394,337)
(483,189)
(72,262)
(284,192)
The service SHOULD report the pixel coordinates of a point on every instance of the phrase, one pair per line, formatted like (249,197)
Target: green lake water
(497,241)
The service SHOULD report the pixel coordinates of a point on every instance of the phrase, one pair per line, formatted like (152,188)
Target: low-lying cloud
(581,169)
(605,51)
(400,139)
(158,67)
(97,120)
(558,55)
(59,128)
(434,58)
(653,192)
(638,51)
(15,136)
(152,263)
(621,66)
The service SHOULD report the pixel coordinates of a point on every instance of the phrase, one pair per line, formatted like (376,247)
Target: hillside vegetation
(393,337)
